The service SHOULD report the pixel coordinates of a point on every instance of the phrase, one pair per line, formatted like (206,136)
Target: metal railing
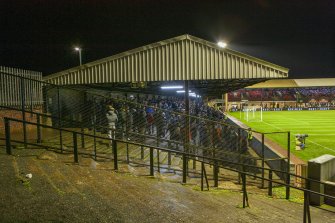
(197,135)
(204,160)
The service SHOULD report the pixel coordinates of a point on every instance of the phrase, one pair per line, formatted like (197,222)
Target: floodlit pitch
(319,125)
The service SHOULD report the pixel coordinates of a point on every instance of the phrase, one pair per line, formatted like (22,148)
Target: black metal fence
(242,169)
(18,84)
(150,120)
(198,133)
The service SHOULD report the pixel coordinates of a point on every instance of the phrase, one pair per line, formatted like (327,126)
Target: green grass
(319,125)
(296,196)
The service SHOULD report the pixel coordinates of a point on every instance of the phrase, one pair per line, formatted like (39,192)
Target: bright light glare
(222,44)
(172,87)
(77,48)
(182,91)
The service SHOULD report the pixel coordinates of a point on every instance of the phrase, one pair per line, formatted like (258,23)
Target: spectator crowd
(309,97)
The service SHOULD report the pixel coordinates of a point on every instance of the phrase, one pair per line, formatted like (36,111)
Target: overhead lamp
(183,91)
(172,87)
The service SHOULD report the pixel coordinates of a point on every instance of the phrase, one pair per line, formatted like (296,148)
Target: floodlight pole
(80,62)
(79,52)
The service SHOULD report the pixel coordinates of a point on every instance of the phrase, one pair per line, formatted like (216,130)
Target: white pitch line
(298,121)
(321,134)
(274,126)
(320,145)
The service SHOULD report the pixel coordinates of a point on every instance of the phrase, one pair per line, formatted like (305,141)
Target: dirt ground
(61,191)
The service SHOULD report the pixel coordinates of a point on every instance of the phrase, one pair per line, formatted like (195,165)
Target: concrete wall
(321,169)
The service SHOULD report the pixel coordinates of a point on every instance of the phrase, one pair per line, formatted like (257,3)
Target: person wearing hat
(112,119)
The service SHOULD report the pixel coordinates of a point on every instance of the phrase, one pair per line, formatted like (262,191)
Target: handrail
(197,156)
(164,149)
(133,133)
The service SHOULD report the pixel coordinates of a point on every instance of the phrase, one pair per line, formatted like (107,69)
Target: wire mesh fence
(91,122)
(161,121)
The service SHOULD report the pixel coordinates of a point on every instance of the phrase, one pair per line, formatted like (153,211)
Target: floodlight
(222,44)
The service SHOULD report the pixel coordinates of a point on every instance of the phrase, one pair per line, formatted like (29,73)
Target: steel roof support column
(187,122)
(187,115)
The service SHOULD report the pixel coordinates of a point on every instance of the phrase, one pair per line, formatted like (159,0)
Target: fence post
(39,138)
(288,179)
(270,183)
(127,149)
(158,165)
(142,153)
(169,158)
(115,154)
(184,168)
(75,147)
(95,141)
(244,188)
(8,137)
(82,136)
(94,122)
(202,176)
(151,161)
(23,107)
(307,214)
(216,174)
(59,120)
(263,162)
(245,195)
(31,98)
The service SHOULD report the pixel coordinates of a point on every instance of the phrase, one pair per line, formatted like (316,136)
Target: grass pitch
(319,125)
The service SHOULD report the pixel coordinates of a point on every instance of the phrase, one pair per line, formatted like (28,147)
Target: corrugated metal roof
(181,58)
(314,82)
(275,84)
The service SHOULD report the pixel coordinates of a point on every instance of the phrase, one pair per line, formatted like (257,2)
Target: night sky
(40,34)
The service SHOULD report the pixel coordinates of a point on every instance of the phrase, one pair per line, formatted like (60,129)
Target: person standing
(112,119)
